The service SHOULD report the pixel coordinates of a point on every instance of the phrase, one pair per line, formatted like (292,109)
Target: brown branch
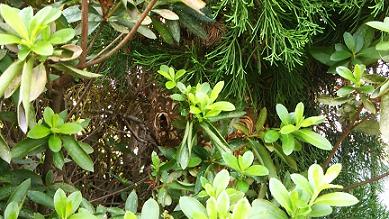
(368,181)
(125,40)
(344,135)
(84,31)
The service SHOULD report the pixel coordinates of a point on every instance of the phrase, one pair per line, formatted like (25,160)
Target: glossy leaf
(283,114)
(20,192)
(150,210)
(271,136)
(77,154)
(256,170)
(70,128)
(6,39)
(5,153)
(62,36)
(12,18)
(55,143)
(313,138)
(39,131)
(131,202)
(338,199)
(41,198)
(280,194)
(11,211)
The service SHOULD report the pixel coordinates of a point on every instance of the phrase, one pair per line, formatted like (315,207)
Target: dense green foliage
(229,135)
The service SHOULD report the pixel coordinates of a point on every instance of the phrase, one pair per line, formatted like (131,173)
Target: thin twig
(84,31)
(344,135)
(368,181)
(120,190)
(126,39)
(88,86)
(111,44)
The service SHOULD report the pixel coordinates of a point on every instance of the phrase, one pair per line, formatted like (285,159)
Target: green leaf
(70,128)
(382,46)
(43,48)
(55,143)
(221,181)
(344,72)
(313,120)
(58,160)
(313,138)
(241,209)
(190,206)
(41,198)
(264,157)
(288,143)
(6,39)
(177,97)
(222,106)
(61,204)
(170,85)
(340,55)
(48,114)
(298,113)
(230,160)
(75,71)
(384,117)
(344,91)
(302,183)
(83,215)
(280,194)
(368,105)
(9,75)
(316,176)
(11,211)
(223,204)
(77,154)
(256,170)
(62,36)
(271,136)
(12,18)
(265,209)
(39,131)
(383,26)
(216,91)
(211,206)
(287,129)
(332,172)
(20,192)
(283,114)
(75,199)
(260,124)
(150,210)
(132,202)
(339,199)
(246,160)
(368,127)
(86,147)
(320,211)
(24,147)
(215,136)
(331,101)
(349,40)
(359,71)
(129,215)
(5,153)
